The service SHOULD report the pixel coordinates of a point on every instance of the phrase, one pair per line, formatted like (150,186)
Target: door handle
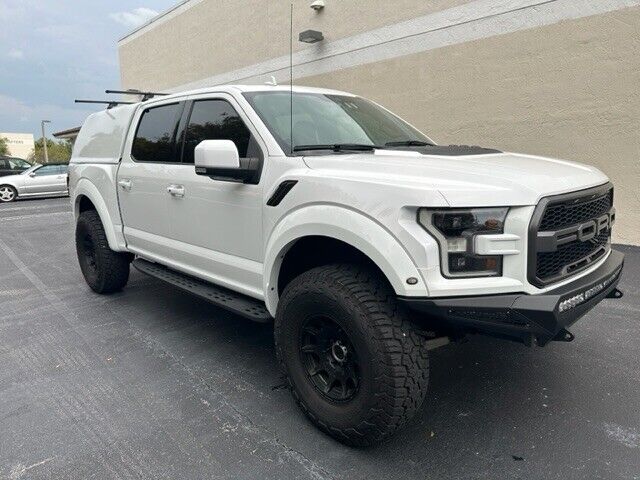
(125,184)
(176,190)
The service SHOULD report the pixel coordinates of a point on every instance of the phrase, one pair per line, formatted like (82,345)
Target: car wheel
(104,270)
(356,365)
(7,193)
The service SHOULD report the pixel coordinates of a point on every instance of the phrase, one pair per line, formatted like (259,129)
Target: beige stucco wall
(569,90)
(216,36)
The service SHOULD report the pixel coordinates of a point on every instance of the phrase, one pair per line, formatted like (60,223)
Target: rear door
(143,177)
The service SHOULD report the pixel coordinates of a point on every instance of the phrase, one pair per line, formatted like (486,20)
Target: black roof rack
(108,103)
(132,91)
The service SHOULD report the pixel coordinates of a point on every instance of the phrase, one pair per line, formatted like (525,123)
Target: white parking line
(27,208)
(20,217)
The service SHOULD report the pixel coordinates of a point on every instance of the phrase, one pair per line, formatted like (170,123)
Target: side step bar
(222,297)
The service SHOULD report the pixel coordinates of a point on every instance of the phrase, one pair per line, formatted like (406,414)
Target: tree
(57,151)
(4,148)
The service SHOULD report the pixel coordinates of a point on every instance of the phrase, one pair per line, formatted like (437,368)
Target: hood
(493,179)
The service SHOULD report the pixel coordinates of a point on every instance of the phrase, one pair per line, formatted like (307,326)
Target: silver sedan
(37,181)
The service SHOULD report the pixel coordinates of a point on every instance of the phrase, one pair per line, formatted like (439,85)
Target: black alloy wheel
(330,359)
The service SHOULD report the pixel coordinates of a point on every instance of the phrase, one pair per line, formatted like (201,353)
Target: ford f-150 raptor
(362,239)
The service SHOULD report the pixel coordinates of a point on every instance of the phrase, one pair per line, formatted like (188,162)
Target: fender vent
(281,192)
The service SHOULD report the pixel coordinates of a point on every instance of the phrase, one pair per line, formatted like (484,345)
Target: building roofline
(155,19)
(69,131)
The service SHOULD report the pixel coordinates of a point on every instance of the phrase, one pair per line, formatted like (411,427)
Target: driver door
(46,179)
(216,225)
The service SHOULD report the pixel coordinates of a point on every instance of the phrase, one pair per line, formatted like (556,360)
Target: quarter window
(155,137)
(217,120)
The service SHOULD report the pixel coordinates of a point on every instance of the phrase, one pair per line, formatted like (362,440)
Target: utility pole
(44,141)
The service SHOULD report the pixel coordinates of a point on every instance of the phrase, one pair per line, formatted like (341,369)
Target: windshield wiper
(337,147)
(408,143)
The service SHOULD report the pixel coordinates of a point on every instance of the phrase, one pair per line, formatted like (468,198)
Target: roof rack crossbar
(108,103)
(132,91)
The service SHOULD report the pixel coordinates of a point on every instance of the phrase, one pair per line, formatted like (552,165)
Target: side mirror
(32,174)
(219,159)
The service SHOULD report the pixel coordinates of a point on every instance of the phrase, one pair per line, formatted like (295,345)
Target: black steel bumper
(531,319)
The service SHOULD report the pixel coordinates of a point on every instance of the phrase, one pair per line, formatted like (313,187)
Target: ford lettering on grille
(569,233)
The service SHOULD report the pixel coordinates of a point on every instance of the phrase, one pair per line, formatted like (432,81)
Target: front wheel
(7,193)
(104,270)
(356,365)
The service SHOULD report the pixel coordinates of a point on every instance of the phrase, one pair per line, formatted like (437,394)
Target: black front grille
(560,217)
(550,265)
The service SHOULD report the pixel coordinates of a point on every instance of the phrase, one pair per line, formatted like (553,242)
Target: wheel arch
(86,196)
(345,229)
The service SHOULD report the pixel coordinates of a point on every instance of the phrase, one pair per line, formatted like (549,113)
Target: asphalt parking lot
(152,383)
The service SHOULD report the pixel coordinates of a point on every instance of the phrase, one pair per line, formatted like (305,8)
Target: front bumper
(531,319)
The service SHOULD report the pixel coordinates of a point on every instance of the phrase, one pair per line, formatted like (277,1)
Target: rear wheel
(7,193)
(355,363)
(104,270)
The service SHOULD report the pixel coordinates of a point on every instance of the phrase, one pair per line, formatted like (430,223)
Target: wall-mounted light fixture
(318,5)
(310,36)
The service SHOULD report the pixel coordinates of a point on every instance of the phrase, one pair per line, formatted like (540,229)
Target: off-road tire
(393,358)
(104,270)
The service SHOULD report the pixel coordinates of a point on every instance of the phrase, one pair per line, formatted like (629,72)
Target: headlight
(455,230)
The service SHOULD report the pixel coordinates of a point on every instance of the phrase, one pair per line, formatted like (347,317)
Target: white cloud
(135,17)
(15,54)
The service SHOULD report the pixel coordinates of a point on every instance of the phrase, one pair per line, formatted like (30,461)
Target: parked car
(37,181)
(13,166)
(368,243)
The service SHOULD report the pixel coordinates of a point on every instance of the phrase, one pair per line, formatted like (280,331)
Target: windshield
(330,120)
(17,163)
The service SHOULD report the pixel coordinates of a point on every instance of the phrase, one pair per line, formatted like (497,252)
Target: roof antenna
(291,75)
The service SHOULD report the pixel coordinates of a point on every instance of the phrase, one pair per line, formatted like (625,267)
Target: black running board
(222,297)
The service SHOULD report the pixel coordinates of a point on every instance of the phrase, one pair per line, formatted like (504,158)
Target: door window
(47,170)
(217,120)
(155,137)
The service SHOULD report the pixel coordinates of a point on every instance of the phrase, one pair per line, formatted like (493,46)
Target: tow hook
(564,335)
(615,293)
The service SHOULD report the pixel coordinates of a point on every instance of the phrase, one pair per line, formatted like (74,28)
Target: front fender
(346,225)
(85,188)
(12,182)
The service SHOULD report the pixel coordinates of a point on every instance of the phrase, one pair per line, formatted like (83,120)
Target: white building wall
(20,144)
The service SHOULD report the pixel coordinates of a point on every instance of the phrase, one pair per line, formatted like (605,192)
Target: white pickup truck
(366,242)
